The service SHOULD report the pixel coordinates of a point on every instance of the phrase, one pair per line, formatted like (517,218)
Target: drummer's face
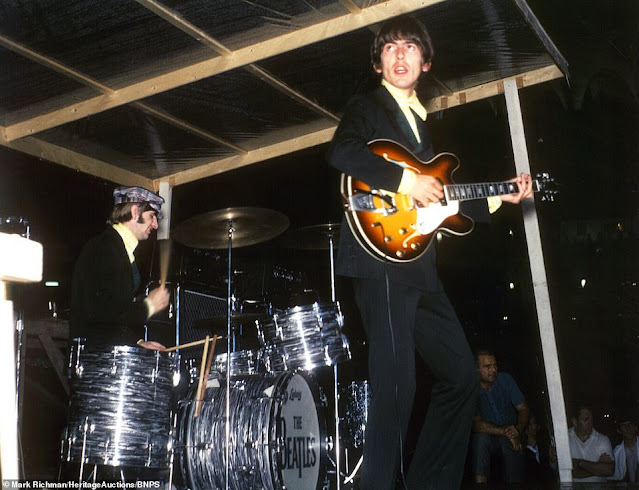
(145,224)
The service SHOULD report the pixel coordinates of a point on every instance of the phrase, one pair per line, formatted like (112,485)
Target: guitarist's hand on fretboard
(426,189)
(525,185)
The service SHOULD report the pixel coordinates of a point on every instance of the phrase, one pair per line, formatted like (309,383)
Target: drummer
(105,306)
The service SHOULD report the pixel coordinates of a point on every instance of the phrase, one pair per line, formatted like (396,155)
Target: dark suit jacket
(103,309)
(370,117)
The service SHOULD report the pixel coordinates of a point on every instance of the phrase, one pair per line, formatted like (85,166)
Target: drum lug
(328,442)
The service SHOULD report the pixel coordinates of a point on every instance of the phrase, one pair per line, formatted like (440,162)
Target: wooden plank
(490,89)
(53,65)
(540,289)
(78,161)
(290,41)
(185,126)
(262,153)
(315,137)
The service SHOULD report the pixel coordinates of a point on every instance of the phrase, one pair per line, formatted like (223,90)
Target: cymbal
(315,237)
(250,226)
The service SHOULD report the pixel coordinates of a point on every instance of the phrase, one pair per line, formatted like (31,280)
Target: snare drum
(120,407)
(277,435)
(304,337)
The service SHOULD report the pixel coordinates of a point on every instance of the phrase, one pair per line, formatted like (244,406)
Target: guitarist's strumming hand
(426,189)
(525,185)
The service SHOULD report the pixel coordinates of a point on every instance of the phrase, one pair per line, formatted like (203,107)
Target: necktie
(137,279)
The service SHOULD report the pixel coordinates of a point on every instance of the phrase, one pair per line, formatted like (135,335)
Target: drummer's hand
(159,299)
(151,345)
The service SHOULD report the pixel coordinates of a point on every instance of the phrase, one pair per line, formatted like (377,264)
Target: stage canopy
(140,92)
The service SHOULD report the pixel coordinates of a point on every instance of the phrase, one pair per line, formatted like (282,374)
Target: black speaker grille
(193,308)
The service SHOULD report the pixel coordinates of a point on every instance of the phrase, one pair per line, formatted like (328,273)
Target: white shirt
(590,450)
(620,461)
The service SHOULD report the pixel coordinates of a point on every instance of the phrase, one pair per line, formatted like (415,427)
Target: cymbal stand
(227,432)
(338,473)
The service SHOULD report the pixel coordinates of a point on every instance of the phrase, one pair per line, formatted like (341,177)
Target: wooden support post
(540,289)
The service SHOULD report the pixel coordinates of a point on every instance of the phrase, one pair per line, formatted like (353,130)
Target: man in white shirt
(590,450)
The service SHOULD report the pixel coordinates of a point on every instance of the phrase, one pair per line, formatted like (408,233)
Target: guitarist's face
(402,64)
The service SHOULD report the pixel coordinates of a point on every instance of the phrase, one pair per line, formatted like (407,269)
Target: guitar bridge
(362,200)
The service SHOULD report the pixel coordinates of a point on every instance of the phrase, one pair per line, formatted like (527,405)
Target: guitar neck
(467,192)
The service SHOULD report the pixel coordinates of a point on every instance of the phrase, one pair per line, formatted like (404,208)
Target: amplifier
(180,323)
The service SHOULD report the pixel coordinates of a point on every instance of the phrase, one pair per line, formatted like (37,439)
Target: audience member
(501,417)
(625,454)
(591,451)
(540,468)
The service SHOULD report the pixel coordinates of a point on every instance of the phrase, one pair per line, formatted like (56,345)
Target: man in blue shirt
(502,415)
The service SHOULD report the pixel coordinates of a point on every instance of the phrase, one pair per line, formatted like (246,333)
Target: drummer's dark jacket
(103,289)
(369,117)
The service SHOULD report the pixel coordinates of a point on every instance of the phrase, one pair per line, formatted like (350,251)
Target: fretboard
(466,192)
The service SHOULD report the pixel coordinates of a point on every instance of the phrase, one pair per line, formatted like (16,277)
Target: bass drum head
(277,434)
(300,434)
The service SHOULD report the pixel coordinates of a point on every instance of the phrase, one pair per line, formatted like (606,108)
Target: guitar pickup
(362,200)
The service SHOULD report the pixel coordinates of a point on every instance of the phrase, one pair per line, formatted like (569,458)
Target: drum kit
(254,418)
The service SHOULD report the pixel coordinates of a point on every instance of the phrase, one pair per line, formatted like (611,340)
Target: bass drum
(277,434)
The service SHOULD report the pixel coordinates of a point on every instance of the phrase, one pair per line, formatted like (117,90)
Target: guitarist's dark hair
(406,28)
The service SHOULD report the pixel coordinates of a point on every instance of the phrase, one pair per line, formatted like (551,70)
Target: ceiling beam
(50,63)
(213,66)
(81,162)
(280,86)
(261,153)
(324,135)
(92,83)
(185,26)
(185,126)
(178,21)
(490,89)
(304,137)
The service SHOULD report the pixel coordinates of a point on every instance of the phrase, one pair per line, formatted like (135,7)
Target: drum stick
(190,344)
(165,256)
(198,393)
(207,370)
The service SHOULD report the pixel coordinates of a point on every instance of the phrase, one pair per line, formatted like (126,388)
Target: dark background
(583,133)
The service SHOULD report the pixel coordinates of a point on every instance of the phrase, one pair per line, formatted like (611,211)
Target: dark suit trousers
(424,322)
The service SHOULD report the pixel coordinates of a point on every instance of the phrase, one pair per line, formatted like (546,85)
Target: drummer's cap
(137,194)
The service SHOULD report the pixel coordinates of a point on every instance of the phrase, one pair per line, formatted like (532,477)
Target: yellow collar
(412,101)
(130,242)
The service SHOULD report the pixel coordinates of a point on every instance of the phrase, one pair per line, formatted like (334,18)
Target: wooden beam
(219,64)
(78,161)
(292,93)
(54,65)
(302,139)
(212,43)
(178,21)
(490,89)
(189,128)
(316,137)
(351,6)
(90,82)
(260,154)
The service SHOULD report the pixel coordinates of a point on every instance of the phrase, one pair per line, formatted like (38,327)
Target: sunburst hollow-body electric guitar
(392,226)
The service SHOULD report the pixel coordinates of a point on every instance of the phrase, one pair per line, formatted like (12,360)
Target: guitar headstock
(546,186)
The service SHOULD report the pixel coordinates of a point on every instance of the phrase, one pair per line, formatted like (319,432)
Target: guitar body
(395,228)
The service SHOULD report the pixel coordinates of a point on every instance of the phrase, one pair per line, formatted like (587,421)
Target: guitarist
(403,305)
